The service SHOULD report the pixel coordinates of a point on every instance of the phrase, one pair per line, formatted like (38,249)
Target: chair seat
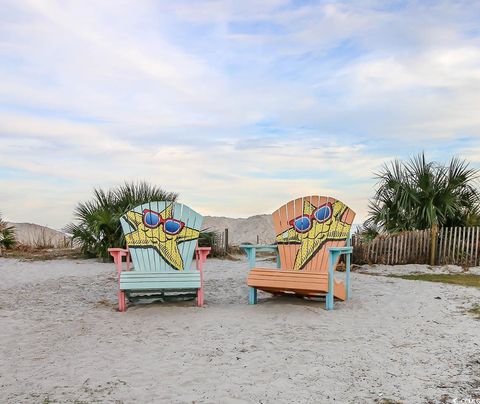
(160,281)
(300,282)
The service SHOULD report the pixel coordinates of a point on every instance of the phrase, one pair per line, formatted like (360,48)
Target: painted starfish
(165,244)
(313,240)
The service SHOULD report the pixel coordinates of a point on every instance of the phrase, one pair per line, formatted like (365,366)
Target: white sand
(412,269)
(62,340)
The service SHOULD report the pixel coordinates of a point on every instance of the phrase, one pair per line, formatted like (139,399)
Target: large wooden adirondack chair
(161,240)
(312,233)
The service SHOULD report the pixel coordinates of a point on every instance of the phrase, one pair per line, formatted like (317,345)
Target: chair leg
(332,259)
(252,295)
(200,297)
(122,301)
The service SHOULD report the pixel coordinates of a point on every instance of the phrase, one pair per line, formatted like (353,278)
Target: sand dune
(35,235)
(243,230)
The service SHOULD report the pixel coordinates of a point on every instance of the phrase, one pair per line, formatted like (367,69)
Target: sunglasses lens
(323,213)
(302,223)
(172,226)
(151,219)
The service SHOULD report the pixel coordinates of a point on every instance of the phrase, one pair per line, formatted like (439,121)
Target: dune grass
(456,279)
(475,310)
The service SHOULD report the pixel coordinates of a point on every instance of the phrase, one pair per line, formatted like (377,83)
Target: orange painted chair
(312,233)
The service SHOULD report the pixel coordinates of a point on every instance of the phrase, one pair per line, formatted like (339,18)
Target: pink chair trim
(200,258)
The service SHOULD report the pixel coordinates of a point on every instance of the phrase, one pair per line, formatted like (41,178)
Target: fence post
(433,243)
(226,241)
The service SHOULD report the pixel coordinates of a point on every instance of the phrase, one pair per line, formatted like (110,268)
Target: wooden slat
(285,274)
(400,259)
(389,249)
(282,284)
(159,275)
(439,246)
(154,286)
(450,243)
(445,243)
(467,246)
(428,237)
(384,249)
(422,243)
(408,244)
(397,249)
(477,229)
(454,246)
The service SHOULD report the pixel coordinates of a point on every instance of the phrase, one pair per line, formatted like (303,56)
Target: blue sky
(238,106)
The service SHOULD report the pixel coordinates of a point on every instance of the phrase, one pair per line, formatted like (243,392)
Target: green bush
(209,238)
(97,222)
(7,235)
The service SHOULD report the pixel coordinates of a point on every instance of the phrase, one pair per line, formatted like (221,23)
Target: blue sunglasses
(304,223)
(152,220)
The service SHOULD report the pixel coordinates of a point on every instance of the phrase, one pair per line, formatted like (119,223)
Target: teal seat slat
(147,286)
(159,281)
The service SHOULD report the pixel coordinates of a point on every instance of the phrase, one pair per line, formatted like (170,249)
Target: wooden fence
(456,245)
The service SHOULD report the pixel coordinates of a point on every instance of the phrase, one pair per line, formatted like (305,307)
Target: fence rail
(455,245)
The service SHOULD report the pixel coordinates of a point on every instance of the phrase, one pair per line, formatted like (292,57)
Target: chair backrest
(306,227)
(161,236)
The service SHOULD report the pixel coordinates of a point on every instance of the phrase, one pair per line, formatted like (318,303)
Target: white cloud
(232,104)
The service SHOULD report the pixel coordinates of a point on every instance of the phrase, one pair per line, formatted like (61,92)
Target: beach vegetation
(97,222)
(418,194)
(456,279)
(475,310)
(210,238)
(7,235)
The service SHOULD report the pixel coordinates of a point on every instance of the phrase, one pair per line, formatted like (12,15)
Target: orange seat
(303,283)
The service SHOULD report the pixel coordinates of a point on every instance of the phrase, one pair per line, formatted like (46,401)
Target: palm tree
(417,194)
(97,226)
(7,235)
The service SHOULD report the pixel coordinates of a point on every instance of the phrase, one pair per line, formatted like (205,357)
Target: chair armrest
(251,250)
(201,256)
(117,254)
(333,254)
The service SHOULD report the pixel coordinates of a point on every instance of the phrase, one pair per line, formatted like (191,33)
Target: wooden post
(226,241)
(389,249)
(445,241)
(433,244)
(454,246)
(467,248)
(450,241)
(476,245)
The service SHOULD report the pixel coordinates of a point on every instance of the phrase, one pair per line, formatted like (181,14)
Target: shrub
(210,238)
(7,235)
(98,227)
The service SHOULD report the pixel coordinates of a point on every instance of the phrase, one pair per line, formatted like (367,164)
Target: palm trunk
(433,244)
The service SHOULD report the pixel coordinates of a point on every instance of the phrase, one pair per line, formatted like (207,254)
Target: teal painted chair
(161,242)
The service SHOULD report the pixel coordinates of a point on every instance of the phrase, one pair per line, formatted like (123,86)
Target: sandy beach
(62,340)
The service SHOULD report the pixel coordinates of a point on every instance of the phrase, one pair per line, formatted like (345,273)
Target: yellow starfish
(165,244)
(313,240)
